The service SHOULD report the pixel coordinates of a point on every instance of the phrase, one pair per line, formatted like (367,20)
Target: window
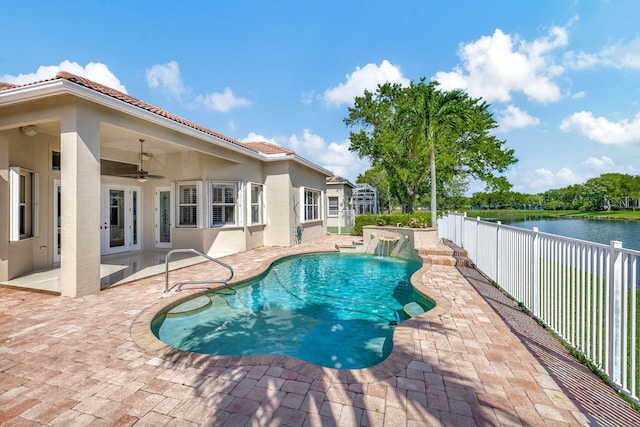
(188,204)
(334,209)
(256,214)
(55,160)
(224,204)
(23,199)
(311,204)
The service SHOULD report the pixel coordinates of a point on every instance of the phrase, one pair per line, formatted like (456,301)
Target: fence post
(615,312)
(535,272)
(498,250)
(464,219)
(477,239)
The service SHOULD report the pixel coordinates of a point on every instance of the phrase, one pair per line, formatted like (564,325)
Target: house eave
(46,89)
(297,159)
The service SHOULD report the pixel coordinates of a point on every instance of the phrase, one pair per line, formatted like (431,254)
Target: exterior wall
(343,193)
(304,177)
(84,133)
(282,216)
(34,154)
(4,207)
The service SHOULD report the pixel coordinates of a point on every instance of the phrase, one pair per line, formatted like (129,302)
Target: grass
(597,323)
(576,282)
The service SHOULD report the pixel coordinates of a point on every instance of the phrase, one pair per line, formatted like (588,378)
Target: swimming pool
(331,309)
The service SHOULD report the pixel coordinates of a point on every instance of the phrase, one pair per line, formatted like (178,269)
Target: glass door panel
(57,237)
(116,218)
(121,219)
(163,217)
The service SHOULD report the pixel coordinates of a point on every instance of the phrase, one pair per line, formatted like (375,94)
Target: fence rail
(586,292)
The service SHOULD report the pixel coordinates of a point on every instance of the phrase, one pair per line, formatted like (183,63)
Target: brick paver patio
(474,360)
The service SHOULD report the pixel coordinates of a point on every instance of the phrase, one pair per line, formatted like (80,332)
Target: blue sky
(562,76)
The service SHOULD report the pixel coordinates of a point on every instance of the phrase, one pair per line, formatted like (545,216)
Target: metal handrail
(193,282)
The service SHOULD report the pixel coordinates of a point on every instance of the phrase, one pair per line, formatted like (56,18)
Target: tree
(411,132)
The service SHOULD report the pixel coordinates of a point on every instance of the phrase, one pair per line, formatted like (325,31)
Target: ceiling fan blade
(141,174)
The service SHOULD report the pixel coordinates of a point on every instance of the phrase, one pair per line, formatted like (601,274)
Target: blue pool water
(334,310)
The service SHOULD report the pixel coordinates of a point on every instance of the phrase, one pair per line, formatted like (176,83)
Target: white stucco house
(340,214)
(87,171)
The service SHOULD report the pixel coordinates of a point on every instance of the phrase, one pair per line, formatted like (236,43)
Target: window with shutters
(188,203)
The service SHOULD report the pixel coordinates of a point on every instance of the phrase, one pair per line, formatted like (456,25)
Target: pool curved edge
(401,355)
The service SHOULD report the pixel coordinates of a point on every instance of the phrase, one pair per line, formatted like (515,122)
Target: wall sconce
(29,130)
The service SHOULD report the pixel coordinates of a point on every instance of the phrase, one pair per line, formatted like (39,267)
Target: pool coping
(401,355)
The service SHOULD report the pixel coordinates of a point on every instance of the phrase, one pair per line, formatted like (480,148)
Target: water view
(599,231)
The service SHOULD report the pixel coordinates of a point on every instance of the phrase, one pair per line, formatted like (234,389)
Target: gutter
(61,86)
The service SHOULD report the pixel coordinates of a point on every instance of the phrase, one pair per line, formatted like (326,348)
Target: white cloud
(255,137)
(222,102)
(494,67)
(622,55)
(307,144)
(342,162)
(367,77)
(542,179)
(602,163)
(606,164)
(96,71)
(307,97)
(334,156)
(167,79)
(514,118)
(602,130)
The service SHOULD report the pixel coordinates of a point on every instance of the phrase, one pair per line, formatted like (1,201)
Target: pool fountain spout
(387,242)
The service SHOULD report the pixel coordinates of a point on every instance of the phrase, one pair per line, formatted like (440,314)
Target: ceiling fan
(142,175)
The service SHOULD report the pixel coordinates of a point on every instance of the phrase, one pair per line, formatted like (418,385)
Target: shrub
(414,220)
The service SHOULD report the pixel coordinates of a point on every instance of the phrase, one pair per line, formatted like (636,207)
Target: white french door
(56,221)
(120,224)
(164,213)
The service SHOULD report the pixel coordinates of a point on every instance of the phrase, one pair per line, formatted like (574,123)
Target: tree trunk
(432,160)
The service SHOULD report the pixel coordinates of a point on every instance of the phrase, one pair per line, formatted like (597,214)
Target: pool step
(354,247)
(446,253)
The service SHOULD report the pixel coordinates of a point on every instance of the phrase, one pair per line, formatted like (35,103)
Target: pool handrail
(193,282)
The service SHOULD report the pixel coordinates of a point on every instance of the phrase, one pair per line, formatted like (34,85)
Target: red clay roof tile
(267,148)
(5,86)
(259,147)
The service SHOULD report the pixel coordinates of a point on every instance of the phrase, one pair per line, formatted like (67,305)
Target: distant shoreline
(516,214)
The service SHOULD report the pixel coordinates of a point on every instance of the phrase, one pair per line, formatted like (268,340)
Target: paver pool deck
(476,360)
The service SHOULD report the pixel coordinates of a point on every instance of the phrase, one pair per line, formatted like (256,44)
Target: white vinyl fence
(341,221)
(585,292)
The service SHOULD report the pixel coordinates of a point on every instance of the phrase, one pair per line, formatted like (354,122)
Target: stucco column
(80,203)
(4,215)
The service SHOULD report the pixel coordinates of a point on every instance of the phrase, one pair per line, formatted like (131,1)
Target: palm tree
(426,119)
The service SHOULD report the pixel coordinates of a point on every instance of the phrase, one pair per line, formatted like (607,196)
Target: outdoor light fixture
(29,130)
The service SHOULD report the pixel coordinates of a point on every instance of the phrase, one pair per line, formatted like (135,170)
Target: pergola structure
(365,199)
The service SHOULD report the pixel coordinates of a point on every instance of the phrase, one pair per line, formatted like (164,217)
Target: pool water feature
(330,309)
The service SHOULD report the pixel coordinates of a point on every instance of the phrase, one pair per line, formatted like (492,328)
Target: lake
(599,231)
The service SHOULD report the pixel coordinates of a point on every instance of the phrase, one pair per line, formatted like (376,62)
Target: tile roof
(258,147)
(4,86)
(140,104)
(267,148)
